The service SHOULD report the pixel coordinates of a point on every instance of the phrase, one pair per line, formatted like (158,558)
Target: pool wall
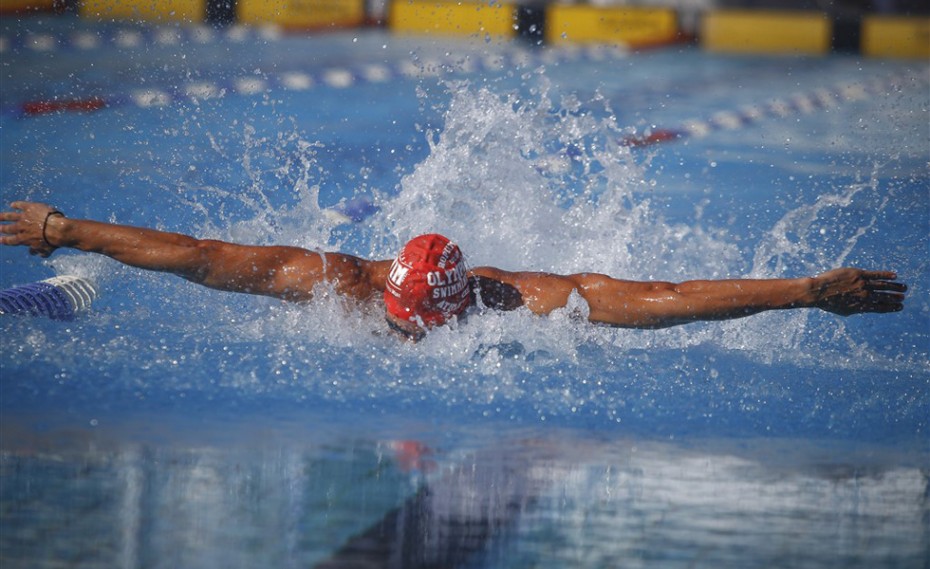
(901,31)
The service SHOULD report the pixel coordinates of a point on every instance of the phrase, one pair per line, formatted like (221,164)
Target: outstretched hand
(853,291)
(25,225)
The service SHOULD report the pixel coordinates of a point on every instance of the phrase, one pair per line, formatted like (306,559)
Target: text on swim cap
(398,274)
(449,250)
(442,278)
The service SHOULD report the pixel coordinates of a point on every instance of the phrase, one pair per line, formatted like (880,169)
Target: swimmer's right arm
(290,273)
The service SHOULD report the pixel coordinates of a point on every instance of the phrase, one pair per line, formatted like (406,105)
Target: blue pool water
(181,427)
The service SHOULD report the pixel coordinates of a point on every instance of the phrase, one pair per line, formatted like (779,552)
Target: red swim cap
(429,280)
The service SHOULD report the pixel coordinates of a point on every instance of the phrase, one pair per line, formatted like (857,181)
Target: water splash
(258,211)
(822,235)
(536,182)
(528,182)
(540,184)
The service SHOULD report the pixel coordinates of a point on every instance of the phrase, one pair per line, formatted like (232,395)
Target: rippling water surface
(183,427)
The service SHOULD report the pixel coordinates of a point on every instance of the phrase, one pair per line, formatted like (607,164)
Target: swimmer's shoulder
(496,288)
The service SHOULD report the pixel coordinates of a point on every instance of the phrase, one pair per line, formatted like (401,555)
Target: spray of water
(543,184)
(536,182)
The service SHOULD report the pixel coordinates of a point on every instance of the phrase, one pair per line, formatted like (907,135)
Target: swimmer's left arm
(659,304)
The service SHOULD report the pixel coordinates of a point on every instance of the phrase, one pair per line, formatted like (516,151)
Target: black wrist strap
(45,226)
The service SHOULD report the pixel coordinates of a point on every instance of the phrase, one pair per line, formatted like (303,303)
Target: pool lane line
(778,108)
(341,77)
(58,298)
(32,108)
(133,38)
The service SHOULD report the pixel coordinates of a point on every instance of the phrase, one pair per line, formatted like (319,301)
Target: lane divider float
(32,108)
(779,108)
(59,298)
(133,38)
(304,80)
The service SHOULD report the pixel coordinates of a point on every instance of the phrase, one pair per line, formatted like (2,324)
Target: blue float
(58,298)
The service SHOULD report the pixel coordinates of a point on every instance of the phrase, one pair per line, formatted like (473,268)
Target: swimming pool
(175,426)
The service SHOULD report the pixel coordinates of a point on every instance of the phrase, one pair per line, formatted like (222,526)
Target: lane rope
(132,38)
(779,108)
(342,77)
(59,298)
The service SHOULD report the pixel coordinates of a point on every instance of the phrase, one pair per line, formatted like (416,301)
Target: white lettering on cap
(443,278)
(446,251)
(398,274)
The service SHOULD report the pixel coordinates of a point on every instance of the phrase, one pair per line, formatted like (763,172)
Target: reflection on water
(543,499)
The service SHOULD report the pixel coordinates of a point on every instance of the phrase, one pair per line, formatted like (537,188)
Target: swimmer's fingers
(849,291)
(875,302)
(10,216)
(879,275)
(24,212)
(885,285)
(21,208)
(24,227)
(12,228)
(8,239)
(27,209)
(884,302)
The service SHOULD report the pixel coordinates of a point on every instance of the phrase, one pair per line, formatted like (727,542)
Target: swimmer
(428,284)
